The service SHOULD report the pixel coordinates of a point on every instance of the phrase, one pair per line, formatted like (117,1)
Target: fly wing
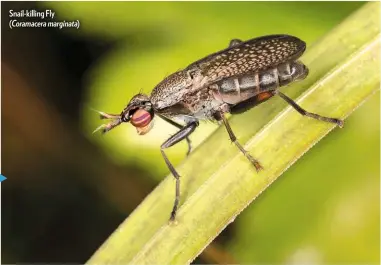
(249,57)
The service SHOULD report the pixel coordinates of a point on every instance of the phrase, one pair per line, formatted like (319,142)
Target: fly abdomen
(236,89)
(291,72)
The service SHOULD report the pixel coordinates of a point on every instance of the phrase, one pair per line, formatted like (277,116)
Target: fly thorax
(198,80)
(171,89)
(175,82)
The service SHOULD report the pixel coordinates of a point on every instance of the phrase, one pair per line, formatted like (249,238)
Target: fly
(233,80)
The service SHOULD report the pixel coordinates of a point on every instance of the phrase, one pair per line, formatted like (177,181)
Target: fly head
(139,112)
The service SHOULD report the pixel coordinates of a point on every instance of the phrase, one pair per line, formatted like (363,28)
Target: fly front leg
(179,126)
(174,139)
(233,138)
(302,111)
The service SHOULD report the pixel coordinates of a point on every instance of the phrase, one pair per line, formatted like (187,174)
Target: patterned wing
(250,56)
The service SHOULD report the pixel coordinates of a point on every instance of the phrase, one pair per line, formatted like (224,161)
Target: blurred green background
(69,189)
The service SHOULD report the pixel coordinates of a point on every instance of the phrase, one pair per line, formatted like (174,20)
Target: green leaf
(217,180)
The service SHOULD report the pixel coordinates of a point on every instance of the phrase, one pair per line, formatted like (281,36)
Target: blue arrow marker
(2,178)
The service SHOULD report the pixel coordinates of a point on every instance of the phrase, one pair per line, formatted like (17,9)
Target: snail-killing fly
(232,80)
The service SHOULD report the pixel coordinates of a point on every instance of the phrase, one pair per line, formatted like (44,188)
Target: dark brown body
(229,81)
(232,80)
(235,94)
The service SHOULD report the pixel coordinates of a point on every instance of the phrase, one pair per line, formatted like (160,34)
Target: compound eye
(141,118)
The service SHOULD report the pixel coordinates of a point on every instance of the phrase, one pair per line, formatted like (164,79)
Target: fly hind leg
(302,111)
(233,138)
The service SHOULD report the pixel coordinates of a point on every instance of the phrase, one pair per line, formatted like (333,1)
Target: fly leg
(299,109)
(174,139)
(233,138)
(179,126)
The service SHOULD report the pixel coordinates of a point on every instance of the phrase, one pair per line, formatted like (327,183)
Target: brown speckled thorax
(171,89)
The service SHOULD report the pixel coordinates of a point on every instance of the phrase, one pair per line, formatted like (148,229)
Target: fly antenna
(104,115)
